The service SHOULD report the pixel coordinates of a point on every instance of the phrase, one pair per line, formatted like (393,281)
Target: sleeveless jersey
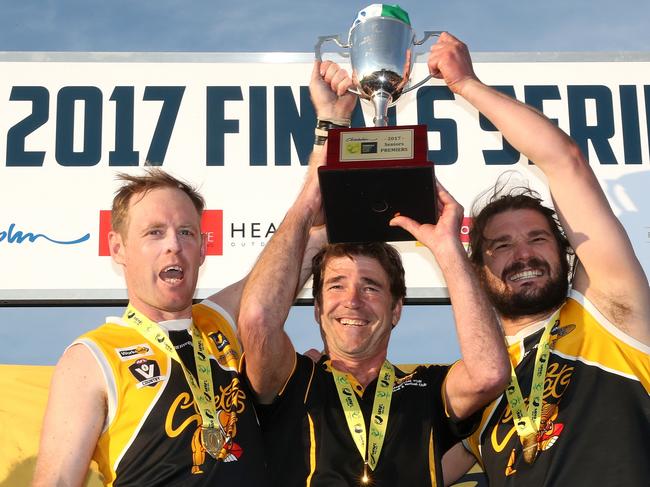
(595,419)
(152,431)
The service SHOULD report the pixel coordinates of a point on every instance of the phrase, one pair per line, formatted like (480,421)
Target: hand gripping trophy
(382,171)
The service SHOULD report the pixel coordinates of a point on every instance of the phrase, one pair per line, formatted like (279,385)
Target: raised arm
(75,415)
(270,291)
(609,273)
(328,86)
(229,298)
(484,370)
(274,281)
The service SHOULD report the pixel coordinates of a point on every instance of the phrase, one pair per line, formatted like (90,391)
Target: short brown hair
(385,254)
(154,178)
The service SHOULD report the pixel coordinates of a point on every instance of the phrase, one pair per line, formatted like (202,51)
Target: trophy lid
(381,10)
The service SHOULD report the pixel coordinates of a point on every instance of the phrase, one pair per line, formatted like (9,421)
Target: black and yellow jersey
(308,442)
(595,418)
(151,436)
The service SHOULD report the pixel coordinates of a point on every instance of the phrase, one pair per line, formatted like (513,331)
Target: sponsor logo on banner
(13,234)
(136,351)
(146,372)
(251,233)
(465,226)
(211,227)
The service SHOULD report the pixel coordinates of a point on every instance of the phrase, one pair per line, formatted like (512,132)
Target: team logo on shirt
(408,380)
(146,372)
(220,341)
(227,358)
(549,432)
(230,402)
(560,331)
(136,351)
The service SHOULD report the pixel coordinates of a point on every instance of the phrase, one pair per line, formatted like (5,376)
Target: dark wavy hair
(385,254)
(502,198)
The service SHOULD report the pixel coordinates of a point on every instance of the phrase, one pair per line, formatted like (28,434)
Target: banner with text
(240,126)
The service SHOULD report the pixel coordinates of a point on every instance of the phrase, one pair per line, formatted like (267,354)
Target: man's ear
(397,313)
(316,311)
(116,246)
(204,247)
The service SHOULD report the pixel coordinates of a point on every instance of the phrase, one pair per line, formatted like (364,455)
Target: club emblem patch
(146,372)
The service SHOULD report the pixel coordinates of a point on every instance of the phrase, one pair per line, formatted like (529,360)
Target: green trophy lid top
(382,10)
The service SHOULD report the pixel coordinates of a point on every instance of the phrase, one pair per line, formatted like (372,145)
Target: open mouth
(172,274)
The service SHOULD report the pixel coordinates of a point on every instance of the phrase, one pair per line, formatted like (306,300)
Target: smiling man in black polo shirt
(353,418)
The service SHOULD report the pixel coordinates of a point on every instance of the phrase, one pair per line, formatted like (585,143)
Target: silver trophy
(381,56)
(382,171)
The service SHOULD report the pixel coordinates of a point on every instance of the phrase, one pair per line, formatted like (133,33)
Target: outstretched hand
(329,91)
(449,60)
(445,231)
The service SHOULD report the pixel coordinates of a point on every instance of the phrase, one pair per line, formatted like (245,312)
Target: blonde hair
(154,178)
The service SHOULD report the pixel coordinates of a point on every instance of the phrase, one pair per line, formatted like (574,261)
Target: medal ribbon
(202,390)
(527,422)
(380,411)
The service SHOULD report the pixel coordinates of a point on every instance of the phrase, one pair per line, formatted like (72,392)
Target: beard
(528,301)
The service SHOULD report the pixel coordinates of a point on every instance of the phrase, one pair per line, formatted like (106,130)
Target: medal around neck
(383,171)
(202,388)
(368,445)
(530,447)
(212,440)
(527,420)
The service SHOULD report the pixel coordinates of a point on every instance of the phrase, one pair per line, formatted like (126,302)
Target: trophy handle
(428,34)
(335,38)
(323,39)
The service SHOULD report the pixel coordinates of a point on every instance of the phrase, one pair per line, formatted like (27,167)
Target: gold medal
(365,479)
(529,442)
(212,440)
(527,421)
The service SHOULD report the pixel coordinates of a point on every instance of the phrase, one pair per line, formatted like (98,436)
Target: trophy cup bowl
(381,61)
(381,58)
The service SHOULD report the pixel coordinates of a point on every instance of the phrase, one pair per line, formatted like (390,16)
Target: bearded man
(577,410)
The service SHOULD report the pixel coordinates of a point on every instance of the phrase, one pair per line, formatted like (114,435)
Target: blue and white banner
(240,126)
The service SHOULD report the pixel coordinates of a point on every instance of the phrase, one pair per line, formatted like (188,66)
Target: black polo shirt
(308,442)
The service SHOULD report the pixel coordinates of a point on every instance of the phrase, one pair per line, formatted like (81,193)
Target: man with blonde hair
(154,396)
